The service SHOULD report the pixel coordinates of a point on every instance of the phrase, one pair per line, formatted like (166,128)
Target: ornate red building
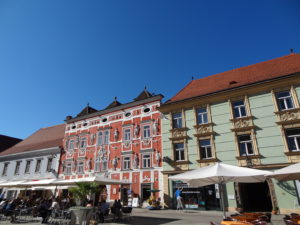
(122,141)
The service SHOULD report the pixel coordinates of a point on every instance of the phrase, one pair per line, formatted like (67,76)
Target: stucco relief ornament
(88,165)
(135,161)
(115,162)
(155,127)
(127,144)
(116,134)
(157,157)
(203,130)
(177,133)
(242,123)
(93,136)
(137,130)
(67,144)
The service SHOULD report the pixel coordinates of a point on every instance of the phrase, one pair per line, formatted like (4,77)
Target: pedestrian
(178,196)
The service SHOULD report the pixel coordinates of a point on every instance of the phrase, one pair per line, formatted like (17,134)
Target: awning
(12,183)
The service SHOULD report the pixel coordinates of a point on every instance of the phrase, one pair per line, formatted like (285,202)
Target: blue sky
(56,56)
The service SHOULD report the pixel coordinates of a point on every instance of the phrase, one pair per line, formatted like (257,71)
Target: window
(127,135)
(177,120)
(97,166)
(17,169)
(284,100)
(239,109)
(104,165)
(49,164)
(4,172)
(146,160)
(68,169)
(202,116)
(293,139)
(71,145)
(27,166)
(83,143)
(146,131)
(179,151)
(245,145)
(106,137)
(126,163)
(100,138)
(80,167)
(38,166)
(205,149)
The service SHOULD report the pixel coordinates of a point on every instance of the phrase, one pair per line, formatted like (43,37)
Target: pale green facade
(269,139)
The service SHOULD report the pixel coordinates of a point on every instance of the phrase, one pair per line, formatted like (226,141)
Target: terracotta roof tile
(262,71)
(43,138)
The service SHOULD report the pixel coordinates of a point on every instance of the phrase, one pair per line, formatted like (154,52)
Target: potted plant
(275,210)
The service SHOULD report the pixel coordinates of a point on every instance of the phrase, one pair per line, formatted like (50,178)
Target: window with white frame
(127,134)
(239,109)
(177,120)
(5,167)
(104,165)
(179,151)
(97,166)
(202,117)
(146,160)
(38,166)
(126,162)
(100,138)
(27,166)
(205,149)
(146,131)
(49,164)
(284,100)
(71,145)
(68,168)
(245,145)
(293,139)
(106,137)
(83,143)
(80,167)
(17,168)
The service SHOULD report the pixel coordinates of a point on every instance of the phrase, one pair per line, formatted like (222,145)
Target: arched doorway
(255,197)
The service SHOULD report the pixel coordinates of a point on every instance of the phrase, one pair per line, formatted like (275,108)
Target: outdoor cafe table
(248,217)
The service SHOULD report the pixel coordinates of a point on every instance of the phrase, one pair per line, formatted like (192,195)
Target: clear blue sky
(56,56)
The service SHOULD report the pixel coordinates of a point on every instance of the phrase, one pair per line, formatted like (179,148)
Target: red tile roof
(43,138)
(274,68)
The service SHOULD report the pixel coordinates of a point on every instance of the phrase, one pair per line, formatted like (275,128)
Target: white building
(35,158)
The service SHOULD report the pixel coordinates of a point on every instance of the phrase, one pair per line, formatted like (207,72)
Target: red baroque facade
(122,141)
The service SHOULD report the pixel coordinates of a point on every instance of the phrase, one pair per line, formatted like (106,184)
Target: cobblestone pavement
(170,217)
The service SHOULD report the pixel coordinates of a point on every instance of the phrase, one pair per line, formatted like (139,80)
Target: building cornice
(33,153)
(117,108)
(226,93)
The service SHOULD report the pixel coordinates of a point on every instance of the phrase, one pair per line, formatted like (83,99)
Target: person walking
(179,198)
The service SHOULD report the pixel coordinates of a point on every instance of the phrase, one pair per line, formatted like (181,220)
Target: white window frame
(17,168)
(205,148)
(179,150)
(71,144)
(178,121)
(127,134)
(104,165)
(295,137)
(83,140)
(27,166)
(5,167)
(202,115)
(68,168)
(146,131)
(239,108)
(106,137)
(80,167)
(284,99)
(245,143)
(49,164)
(100,138)
(38,166)
(97,166)
(146,160)
(126,163)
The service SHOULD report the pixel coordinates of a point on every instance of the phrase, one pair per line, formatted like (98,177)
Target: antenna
(291,50)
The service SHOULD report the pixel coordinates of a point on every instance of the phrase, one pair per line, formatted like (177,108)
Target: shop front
(200,198)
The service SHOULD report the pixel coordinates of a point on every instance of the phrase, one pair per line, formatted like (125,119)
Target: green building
(248,117)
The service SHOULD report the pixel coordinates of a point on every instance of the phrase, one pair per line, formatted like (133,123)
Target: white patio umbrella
(291,172)
(221,173)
